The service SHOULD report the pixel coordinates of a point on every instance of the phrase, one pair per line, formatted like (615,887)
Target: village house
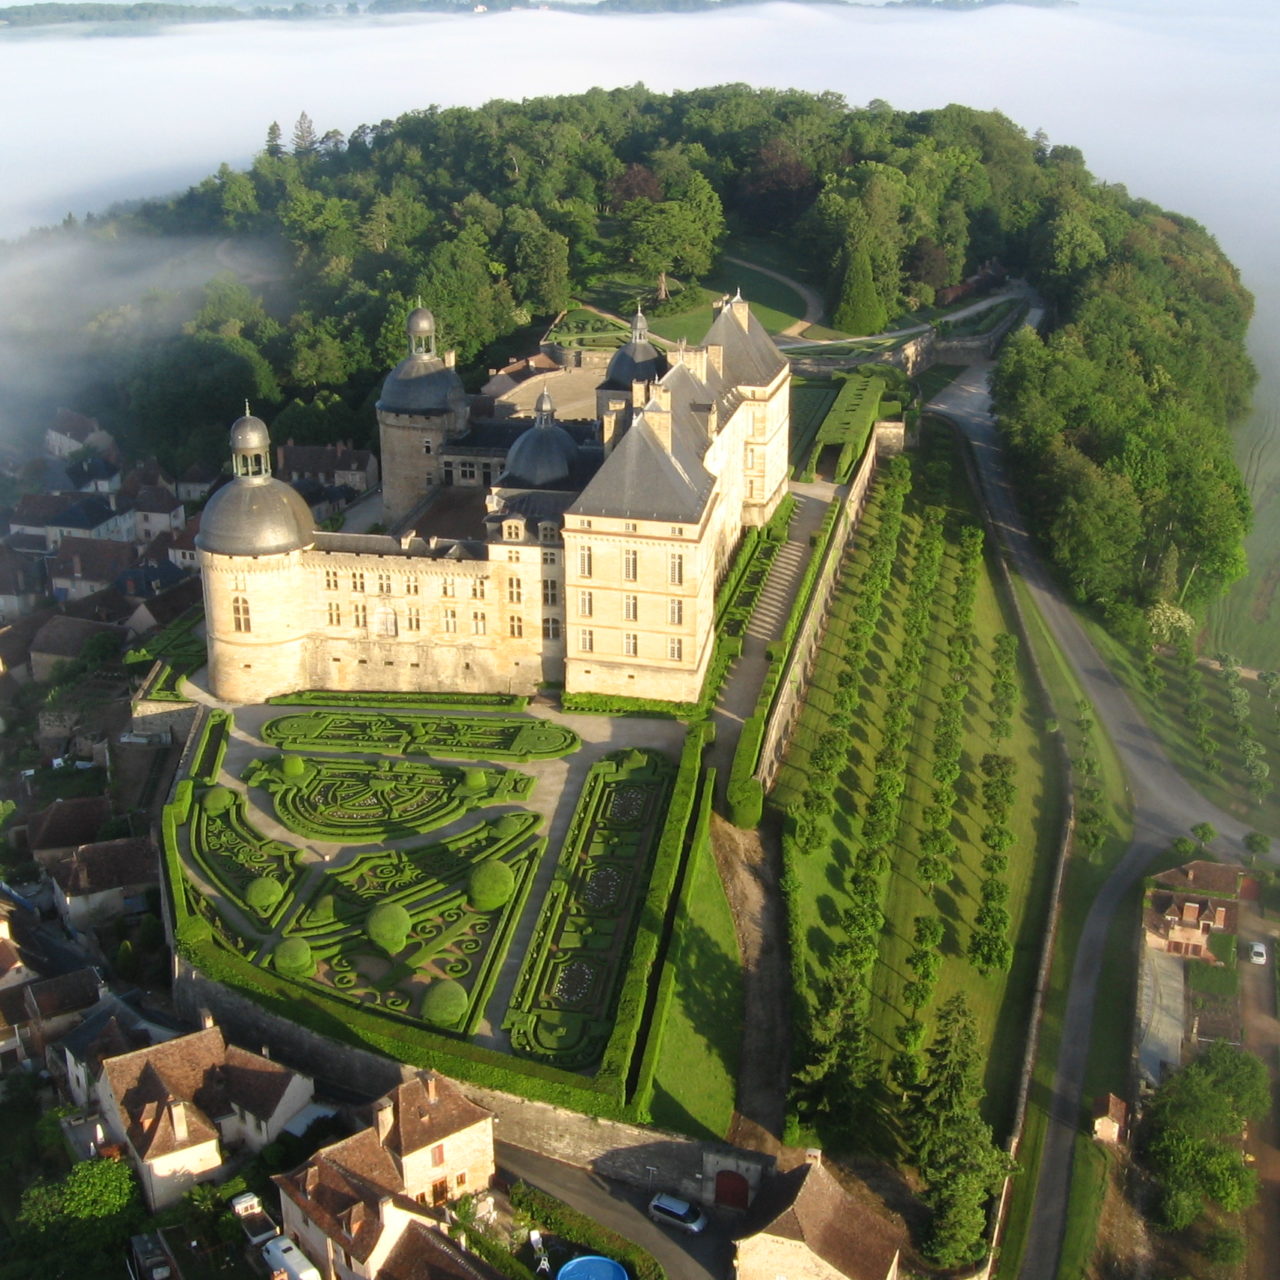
(1184,907)
(329,464)
(814,1229)
(21,585)
(36,1012)
(62,639)
(104,881)
(69,432)
(357,1205)
(82,566)
(179,1108)
(56,831)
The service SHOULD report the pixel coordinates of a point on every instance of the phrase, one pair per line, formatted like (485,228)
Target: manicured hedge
(390,698)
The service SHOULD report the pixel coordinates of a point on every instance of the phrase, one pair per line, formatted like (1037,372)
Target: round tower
(422,406)
(256,598)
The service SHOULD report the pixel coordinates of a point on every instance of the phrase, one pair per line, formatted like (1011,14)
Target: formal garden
(456,736)
(365,930)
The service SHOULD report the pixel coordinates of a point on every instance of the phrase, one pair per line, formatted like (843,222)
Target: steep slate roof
(66,823)
(750,357)
(110,864)
(169,605)
(641,479)
(154,498)
(202,1072)
(808,1204)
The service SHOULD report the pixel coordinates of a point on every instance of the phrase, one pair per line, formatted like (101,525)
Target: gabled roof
(109,864)
(75,426)
(323,458)
(156,499)
(64,636)
(422,1253)
(39,510)
(17,574)
(641,479)
(49,997)
(1215,879)
(94,559)
(808,1204)
(16,638)
(210,1077)
(169,605)
(66,823)
(106,1032)
(426,1110)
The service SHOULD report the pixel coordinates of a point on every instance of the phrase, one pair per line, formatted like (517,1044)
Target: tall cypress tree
(858,309)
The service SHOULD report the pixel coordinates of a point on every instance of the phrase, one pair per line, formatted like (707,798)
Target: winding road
(1164,806)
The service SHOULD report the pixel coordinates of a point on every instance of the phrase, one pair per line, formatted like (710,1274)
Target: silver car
(671,1211)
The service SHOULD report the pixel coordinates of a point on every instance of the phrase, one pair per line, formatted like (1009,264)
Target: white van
(283,1257)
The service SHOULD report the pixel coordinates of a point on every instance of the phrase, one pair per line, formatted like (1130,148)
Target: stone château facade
(584,551)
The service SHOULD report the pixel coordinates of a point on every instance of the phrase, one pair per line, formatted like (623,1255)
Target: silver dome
(638,361)
(421,383)
(421,323)
(258,517)
(250,433)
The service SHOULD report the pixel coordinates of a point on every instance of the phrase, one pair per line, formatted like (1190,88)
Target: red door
(732,1189)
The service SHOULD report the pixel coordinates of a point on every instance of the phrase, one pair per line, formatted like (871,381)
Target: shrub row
(557,1218)
(211,747)
(1197,712)
(848,423)
(389,698)
(1252,752)
(989,947)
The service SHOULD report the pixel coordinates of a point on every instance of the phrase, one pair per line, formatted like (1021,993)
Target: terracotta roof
(107,605)
(426,1110)
(210,1077)
(15,639)
(156,499)
(1216,879)
(422,1253)
(48,997)
(64,636)
(37,510)
(200,473)
(67,823)
(68,422)
(808,1204)
(94,559)
(111,864)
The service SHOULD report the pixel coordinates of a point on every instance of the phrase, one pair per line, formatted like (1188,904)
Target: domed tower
(637,361)
(422,405)
(252,535)
(544,456)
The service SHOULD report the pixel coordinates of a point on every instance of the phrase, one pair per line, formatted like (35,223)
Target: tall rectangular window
(549,557)
(478,624)
(551,628)
(585,602)
(629,565)
(515,626)
(335,615)
(357,581)
(515,591)
(361,612)
(584,562)
(411,586)
(446,588)
(240,613)
(630,644)
(550,591)
(450,621)
(675,612)
(331,579)
(675,569)
(630,608)
(413,618)
(675,649)
(477,588)
(587,640)
(384,584)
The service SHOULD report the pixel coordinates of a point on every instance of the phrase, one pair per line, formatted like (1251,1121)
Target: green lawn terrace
(452,736)
(562,1009)
(359,801)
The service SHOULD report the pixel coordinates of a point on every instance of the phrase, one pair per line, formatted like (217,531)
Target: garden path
(813,306)
(1164,806)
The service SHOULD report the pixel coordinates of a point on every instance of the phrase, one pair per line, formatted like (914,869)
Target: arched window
(240,613)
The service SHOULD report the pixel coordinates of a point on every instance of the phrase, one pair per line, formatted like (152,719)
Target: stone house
(196,481)
(55,832)
(356,1205)
(1186,905)
(21,585)
(180,1107)
(69,432)
(105,881)
(36,1012)
(81,566)
(62,639)
(812,1228)
(329,465)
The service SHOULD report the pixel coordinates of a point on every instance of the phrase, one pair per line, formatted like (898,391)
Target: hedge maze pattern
(355,801)
(562,1009)
(463,737)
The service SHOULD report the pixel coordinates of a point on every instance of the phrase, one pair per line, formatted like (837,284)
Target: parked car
(1257,953)
(671,1211)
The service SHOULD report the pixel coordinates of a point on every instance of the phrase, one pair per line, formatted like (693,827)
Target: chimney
(5,932)
(449,359)
(813,1155)
(266,1052)
(178,1116)
(1220,918)
(77,565)
(431,1088)
(659,421)
(611,424)
(715,358)
(383,1114)
(206,1019)
(310,1179)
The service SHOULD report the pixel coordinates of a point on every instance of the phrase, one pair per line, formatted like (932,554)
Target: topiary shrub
(218,800)
(293,766)
(388,926)
(473,780)
(293,958)
(490,885)
(445,1004)
(321,910)
(507,826)
(264,894)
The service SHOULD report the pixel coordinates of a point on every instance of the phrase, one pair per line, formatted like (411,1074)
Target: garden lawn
(811,401)
(1000,1002)
(934,378)
(696,1079)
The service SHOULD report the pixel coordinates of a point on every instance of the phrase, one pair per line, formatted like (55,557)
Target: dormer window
(512,531)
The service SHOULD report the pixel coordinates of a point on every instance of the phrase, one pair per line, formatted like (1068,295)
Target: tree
(388,926)
(1204,832)
(263,894)
(304,136)
(858,308)
(93,1210)
(274,147)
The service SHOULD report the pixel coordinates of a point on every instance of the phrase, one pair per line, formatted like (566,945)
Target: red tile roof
(67,823)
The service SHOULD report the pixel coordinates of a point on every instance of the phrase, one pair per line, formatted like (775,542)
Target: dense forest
(497,216)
